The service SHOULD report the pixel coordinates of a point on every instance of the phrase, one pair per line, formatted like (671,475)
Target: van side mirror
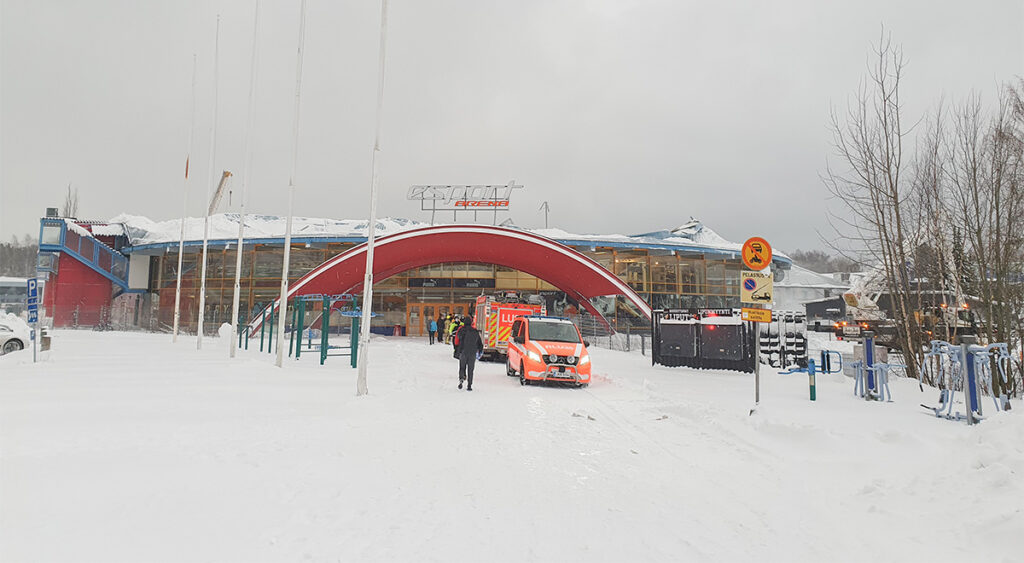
(586,344)
(520,340)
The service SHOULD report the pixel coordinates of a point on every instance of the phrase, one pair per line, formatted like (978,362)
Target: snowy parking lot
(126,447)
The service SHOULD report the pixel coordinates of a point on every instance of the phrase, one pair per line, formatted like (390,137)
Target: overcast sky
(627,116)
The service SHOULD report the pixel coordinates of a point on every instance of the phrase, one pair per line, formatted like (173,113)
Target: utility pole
(544,207)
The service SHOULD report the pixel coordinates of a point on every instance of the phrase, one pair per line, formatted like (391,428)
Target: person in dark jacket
(470,348)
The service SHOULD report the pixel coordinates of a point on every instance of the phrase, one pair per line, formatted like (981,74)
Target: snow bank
(191,456)
(17,324)
(224,331)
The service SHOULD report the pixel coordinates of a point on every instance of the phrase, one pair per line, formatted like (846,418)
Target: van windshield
(553,332)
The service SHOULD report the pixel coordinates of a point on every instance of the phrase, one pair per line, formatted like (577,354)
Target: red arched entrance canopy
(571,272)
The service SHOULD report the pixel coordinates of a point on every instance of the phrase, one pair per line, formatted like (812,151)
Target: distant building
(13,294)
(801,286)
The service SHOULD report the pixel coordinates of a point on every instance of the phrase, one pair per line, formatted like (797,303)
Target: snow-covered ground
(126,447)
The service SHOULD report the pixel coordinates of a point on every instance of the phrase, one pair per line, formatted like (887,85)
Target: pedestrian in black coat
(470,348)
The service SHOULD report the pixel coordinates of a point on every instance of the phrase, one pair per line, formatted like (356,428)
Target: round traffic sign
(757,253)
(749,284)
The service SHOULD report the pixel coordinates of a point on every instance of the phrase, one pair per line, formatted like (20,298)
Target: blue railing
(56,236)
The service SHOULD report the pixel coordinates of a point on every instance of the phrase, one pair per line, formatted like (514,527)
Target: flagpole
(209,187)
(247,152)
(184,206)
(283,305)
(364,328)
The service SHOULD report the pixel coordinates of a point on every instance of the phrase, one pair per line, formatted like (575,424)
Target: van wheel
(508,369)
(522,374)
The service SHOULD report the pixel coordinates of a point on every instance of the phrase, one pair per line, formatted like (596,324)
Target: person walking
(432,330)
(470,347)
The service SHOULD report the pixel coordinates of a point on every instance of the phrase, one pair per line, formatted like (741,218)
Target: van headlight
(570,360)
(534,356)
(585,360)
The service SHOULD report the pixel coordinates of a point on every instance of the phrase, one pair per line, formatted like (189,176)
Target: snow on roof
(107,229)
(799,277)
(142,230)
(80,230)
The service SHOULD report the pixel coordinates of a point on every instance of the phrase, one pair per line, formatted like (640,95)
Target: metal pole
(209,187)
(300,313)
(354,341)
(263,327)
(374,187)
(325,327)
(184,207)
(247,154)
(757,365)
(969,377)
(291,182)
(291,337)
(810,375)
(270,335)
(869,379)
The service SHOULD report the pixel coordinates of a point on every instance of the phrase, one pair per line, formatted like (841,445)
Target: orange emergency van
(494,317)
(547,349)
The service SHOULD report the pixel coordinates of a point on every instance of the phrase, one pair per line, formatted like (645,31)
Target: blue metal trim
(248,241)
(360,240)
(123,284)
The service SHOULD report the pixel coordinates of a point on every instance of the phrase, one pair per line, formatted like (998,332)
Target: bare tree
(986,171)
(71,203)
(878,214)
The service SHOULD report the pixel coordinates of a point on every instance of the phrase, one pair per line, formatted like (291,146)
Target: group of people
(459,332)
(444,328)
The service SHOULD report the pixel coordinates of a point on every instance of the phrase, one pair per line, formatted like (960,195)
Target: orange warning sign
(756,315)
(757,253)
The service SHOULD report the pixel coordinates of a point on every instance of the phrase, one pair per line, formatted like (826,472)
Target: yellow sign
(756,315)
(756,287)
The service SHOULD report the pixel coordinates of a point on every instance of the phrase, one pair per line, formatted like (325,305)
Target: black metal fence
(702,339)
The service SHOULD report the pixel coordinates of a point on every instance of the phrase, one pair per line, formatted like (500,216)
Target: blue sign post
(33,311)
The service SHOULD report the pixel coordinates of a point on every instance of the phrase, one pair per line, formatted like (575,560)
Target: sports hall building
(122,272)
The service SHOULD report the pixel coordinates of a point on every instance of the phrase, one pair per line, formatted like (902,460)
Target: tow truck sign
(756,287)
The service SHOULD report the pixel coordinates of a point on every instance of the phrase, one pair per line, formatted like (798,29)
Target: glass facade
(662,278)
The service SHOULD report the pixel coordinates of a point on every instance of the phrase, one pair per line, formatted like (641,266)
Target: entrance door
(418,318)
(418,315)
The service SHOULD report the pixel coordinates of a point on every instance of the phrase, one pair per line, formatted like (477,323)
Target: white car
(13,338)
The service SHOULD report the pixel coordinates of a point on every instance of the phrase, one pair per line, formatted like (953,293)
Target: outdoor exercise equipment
(943,362)
(300,327)
(967,367)
(812,369)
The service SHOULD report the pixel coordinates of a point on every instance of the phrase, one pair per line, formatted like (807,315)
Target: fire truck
(494,316)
